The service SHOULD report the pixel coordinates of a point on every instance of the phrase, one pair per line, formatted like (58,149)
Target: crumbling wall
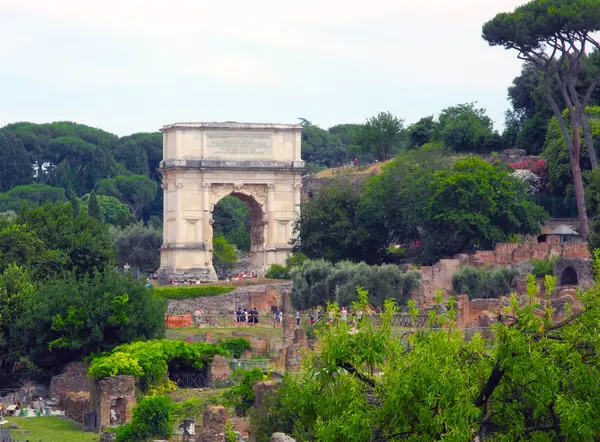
(218,370)
(115,393)
(213,424)
(73,379)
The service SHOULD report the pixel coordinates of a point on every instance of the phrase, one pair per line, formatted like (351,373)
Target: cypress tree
(94,207)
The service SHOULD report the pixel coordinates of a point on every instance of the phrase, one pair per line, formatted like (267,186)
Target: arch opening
(568,276)
(238,219)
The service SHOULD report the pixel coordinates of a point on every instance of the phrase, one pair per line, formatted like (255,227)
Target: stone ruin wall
(483,312)
(262,296)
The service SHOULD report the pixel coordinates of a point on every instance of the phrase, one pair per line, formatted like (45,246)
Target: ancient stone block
(281,437)
(218,370)
(262,390)
(73,379)
(213,424)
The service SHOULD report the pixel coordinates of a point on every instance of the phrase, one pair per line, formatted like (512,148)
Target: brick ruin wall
(72,390)
(483,312)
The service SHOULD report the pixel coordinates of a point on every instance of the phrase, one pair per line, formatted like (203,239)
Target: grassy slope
(49,429)
(225,333)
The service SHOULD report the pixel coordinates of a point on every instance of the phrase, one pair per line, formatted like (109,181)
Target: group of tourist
(246,316)
(242,276)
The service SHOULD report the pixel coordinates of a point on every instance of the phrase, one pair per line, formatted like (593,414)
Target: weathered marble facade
(204,162)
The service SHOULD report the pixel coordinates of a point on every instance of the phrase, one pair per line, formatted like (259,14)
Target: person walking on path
(297,318)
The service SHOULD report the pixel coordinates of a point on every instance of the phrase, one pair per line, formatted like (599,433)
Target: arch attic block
(204,162)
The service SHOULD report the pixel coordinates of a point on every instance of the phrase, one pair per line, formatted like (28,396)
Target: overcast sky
(134,65)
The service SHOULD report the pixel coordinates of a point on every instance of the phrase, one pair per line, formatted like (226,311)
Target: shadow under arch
(568,276)
(258,225)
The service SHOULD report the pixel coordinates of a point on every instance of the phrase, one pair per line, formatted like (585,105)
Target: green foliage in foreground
(241,396)
(154,417)
(539,381)
(150,360)
(483,284)
(192,291)
(319,282)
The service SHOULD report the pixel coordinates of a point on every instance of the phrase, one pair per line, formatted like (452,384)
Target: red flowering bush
(539,167)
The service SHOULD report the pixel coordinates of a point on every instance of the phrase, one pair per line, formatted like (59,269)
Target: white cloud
(309,47)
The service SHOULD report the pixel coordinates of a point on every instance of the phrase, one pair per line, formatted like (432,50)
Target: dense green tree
(224,256)
(136,191)
(322,149)
(112,210)
(16,289)
(328,226)
(93,207)
(556,153)
(381,136)
(346,133)
(78,164)
(395,202)
(231,219)
(37,138)
(422,131)
(133,157)
(38,193)
(479,203)
(151,143)
(138,246)
(71,318)
(465,128)
(19,245)
(82,240)
(555,36)
(15,167)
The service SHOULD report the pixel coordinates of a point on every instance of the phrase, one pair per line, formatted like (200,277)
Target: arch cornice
(258,192)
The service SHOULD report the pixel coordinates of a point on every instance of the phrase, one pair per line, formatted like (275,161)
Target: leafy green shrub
(241,396)
(230,435)
(71,318)
(277,271)
(236,346)
(149,360)
(543,267)
(192,291)
(295,260)
(152,419)
(479,283)
(318,282)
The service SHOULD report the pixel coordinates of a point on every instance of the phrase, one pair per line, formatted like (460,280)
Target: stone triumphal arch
(204,162)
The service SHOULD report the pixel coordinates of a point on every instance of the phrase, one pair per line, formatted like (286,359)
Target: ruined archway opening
(185,375)
(568,276)
(238,221)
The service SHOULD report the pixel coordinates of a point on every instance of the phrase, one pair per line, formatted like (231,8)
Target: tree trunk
(584,229)
(589,141)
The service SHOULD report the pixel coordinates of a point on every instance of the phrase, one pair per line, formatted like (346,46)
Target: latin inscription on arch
(238,144)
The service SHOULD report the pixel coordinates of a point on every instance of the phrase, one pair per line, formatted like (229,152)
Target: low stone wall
(76,404)
(72,380)
(261,296)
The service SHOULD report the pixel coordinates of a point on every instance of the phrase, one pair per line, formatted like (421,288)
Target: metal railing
(268,320)
(557,207)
